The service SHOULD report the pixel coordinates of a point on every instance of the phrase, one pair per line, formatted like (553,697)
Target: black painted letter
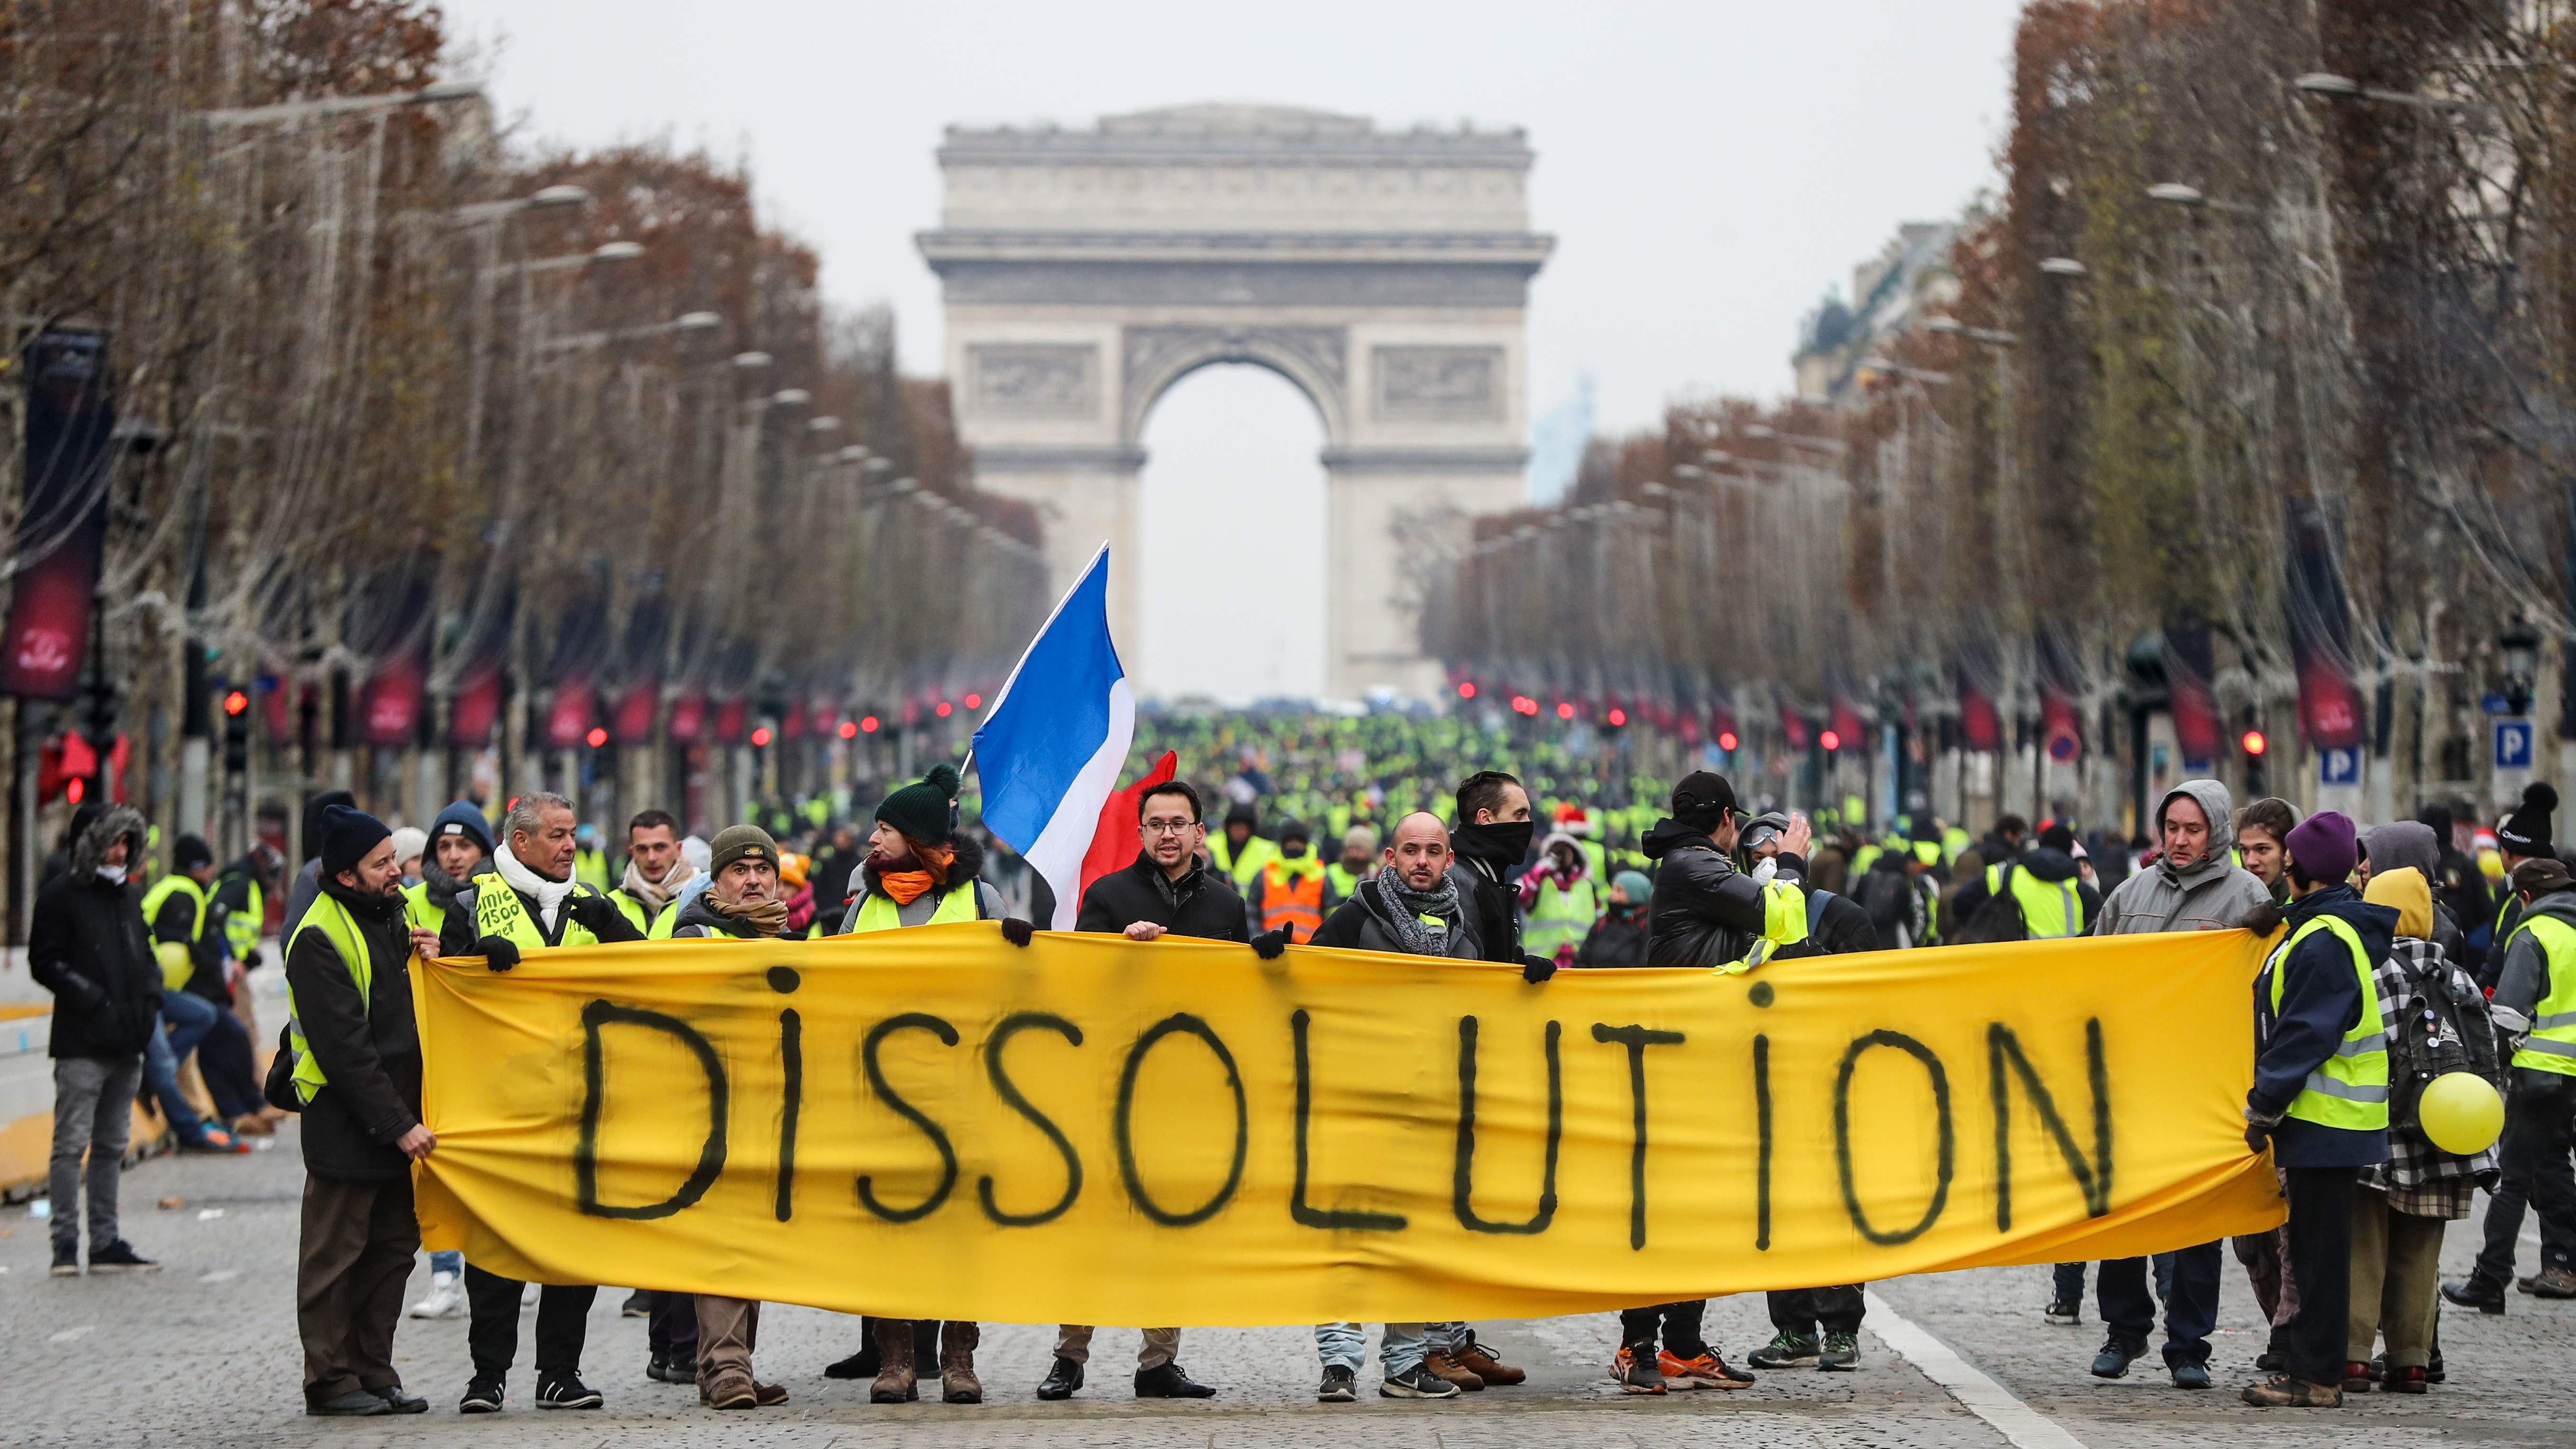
(585,1155)
(920,1021)
(1298,1210)
(1181,1023)
(1842,1134)
(2094,1177)
(1011,1026)
(1636,1039)
(1462,1189)
(791,1056)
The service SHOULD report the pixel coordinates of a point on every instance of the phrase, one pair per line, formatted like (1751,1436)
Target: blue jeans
(447,1261)
(161,1056)
(2187,1280)
(1399,1350)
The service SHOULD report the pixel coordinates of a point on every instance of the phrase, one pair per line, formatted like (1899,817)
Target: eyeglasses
(1166,827)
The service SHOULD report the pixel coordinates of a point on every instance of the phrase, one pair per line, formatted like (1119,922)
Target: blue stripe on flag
(1053,716)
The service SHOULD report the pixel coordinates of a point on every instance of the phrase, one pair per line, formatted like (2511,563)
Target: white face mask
(115,873)
(1764,869)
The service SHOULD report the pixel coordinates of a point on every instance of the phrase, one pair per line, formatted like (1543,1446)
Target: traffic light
(236,732)
(2255,746)
(1830,740)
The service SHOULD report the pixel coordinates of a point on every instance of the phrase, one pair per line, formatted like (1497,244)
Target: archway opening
(1231,569)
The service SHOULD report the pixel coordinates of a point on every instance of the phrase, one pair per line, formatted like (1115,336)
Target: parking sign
(2513,744)
(2339,767)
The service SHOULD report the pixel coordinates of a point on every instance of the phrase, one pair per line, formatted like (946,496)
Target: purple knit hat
(2323,846)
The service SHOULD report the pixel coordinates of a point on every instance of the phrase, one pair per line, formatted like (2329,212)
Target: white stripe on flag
(1058,851)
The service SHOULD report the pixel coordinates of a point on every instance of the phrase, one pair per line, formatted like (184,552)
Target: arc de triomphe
(1386,274)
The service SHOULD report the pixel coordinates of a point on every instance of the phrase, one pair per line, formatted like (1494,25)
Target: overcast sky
(1707,168)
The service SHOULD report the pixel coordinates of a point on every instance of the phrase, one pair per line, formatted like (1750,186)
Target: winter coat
(2320,1001)
(87,944)
(1354,926)
(1208,906)
(1614,942)
(1485,881)
(698,918)
(597,913)
(2523,980)
(967,863)
(1839,928)
(2214,894)
(1705,912)
(2055,867)
(371,1054)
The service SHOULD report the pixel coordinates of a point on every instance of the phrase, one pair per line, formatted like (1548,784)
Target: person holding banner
(1167,892)
(742,901)
(1414,906)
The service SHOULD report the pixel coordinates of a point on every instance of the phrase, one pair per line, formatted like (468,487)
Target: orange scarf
(907,886)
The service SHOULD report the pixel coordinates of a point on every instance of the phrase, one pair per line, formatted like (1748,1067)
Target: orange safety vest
(1292,898)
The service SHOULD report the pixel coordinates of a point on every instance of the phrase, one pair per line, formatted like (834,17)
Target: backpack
(1889,898)
(2436,1029)
(1997,919)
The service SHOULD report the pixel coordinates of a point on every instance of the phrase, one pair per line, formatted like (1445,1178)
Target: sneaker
(2191,1375)
(1441,1366)
(2356,1378)
(399,1402)
(1340,1386)
(664,1368)
(1707,1371)
(638,1304)
(2114,1360)
(1634,1375)
(1416,1383)
(1065,1378)
(2405,1380)
(482,1396)
(2065,1312)
(355,1404)
(217,1141)
(1479,1360)
(1168,1381)
(1786,1350)
(1840,1353)
(120,1257)
(445,1298)
(66,1260)
(2285,1391)
(2433,1371)
(2551,1283)
(2475,1292)
(568,1392)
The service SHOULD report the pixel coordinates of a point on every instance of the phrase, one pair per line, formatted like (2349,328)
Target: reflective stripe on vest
(498,911)
(1292,895)
(2551,1047)
(345,938)
(177,962)
(2049,911)
(2350,1090)
(1559,917)
(879,912)
(1784,923)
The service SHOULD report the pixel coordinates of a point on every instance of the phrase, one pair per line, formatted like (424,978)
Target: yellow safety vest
(2551,1047)
(2350,1091)
(632,909)
(419,911)
(1343,881)
(1954,840)
(664,923)
(1560,917)
(345,938)
(1784,923)
(2049,911)
(242,927)
(1863,858)
(879,912)
(498,911)
(1257,853)
(590,867)
(177,962)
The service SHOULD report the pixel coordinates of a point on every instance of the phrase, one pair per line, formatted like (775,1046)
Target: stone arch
(1314,360)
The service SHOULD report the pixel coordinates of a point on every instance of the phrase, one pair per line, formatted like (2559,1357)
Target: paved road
(204,1353)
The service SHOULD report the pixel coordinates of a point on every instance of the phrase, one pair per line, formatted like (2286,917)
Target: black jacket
(2055,867)
(370,1053)
(87,944)
(831,878)
(1614,942)
(2320,1001)
(1705,911)
(1837,926)
(1485,883)
(1354,926)
(1209,907)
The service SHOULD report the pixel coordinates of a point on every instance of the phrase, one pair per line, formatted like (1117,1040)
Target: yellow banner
(933,1123)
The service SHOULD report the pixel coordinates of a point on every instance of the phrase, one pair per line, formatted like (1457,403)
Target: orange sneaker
(1708,1371)
(1633,1377)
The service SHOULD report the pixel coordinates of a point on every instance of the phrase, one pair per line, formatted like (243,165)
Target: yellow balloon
(2461,1113)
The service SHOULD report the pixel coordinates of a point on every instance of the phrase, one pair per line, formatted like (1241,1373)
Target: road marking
(70,1334)
(221,1275)
(2018,1422)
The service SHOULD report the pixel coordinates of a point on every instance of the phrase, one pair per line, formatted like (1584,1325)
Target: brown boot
(1441,1366)
(2287,1391)
(894,1383)
(957,1381)
(1479,1360)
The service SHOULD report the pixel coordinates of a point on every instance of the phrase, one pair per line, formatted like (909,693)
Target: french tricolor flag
(1049,749)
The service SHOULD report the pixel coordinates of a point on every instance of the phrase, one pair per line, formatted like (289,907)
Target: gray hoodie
(2212,895)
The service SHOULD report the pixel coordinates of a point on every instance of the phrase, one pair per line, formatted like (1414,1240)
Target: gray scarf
(1400,908)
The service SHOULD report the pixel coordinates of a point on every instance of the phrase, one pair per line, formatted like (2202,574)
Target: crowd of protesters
(2467,938)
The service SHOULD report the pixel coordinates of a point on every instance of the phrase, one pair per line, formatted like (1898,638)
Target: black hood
(1671,835)
(969,861)
(2046,864)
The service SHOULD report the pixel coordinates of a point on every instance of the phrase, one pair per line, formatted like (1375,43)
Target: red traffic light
(2254,743)
(944,708)
(75,788)
(1564,710)
(974,701)
(1466,689)
(1726,741)
(1830,740)
(1618,716)
(236,702)
(596,737)
(850,730)
(760,738)
(868,725)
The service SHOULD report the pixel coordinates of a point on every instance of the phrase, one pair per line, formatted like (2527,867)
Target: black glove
(255,960)
(499,953)
(1269,944)
(1017,931)
(2258,1129)
(587,909)
(1535,969)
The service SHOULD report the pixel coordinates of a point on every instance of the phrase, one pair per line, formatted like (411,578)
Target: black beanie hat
(190,852)
(922,810)
(348,833)
(2526,831)
(1701,799)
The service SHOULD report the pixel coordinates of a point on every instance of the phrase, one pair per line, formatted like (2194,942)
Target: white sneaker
(445,1299)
